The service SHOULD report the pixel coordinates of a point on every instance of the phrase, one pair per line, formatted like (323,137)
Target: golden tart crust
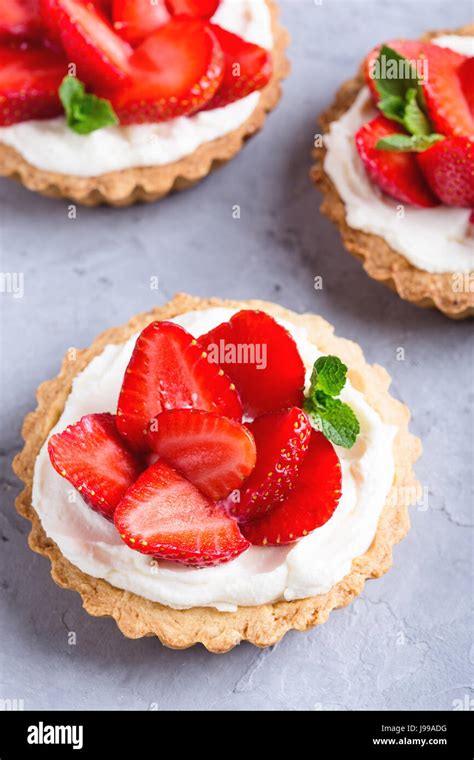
(150,183)
(262,625)
(380,261)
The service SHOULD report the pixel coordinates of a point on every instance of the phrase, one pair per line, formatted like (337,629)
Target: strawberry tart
(217,471)
(118,101)
(396,167)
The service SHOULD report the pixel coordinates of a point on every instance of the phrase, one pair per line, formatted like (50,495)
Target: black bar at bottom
(149,734)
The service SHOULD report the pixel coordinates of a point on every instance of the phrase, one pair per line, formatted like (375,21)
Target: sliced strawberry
(445,100)
(93,457)
(169,370)
(397,174)
(466,75)
(176,71)
(165,515)
(282,440)
(310,504)
(261,358)
(448,167)
(29,82)
(104,7)
(136,19)
(410,49)
(215,453)
(195,8)
(101,57)
(247,67)
(20,19)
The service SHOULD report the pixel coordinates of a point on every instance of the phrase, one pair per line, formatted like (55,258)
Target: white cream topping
(260,575)
(50,145)
(434,239)
(461,44)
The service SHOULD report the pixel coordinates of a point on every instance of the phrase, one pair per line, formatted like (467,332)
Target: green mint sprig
(84,112)
(402,100)
(328,414)
(408,143)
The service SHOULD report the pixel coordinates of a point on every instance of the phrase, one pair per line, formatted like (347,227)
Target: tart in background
(433,182)
(120,113)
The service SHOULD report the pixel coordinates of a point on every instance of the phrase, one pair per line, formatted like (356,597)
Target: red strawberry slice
(163,514)
(136,19)
(195,8)
(19,19)
(466,75)
(29,82)
(93,457)
(310,504)
(176,71)
(261,358)
(397,174)
(169,370)
(101,57)
(445,100)
(282,440)
(448,167)
(247,67)
(215,453)
(410,49)
(104,6)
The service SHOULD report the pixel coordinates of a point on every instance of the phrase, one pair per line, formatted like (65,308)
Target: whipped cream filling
(434,239)
(261,574)
(50,145)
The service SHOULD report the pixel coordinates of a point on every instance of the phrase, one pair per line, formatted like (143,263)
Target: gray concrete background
(406,642)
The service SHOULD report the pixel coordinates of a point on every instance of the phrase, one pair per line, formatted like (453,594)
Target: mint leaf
(336,421)
(314,414)
(329,375)
(331,416)
(401,93)
(408,143)
(414,119)
(393,107)
(322,399)
(394,74)
(84,112)
(340,425)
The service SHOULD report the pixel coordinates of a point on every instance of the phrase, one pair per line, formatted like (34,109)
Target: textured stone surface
(406,642)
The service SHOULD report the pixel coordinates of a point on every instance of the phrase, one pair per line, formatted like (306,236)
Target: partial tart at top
(396,168)
(217,471)
(117,101)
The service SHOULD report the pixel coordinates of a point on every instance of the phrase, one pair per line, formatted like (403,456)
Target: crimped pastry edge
(380,261)
(263,625)
(150,183)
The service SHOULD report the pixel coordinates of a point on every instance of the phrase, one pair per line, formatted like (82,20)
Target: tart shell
(150,183)
(380,261)
(262,625)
